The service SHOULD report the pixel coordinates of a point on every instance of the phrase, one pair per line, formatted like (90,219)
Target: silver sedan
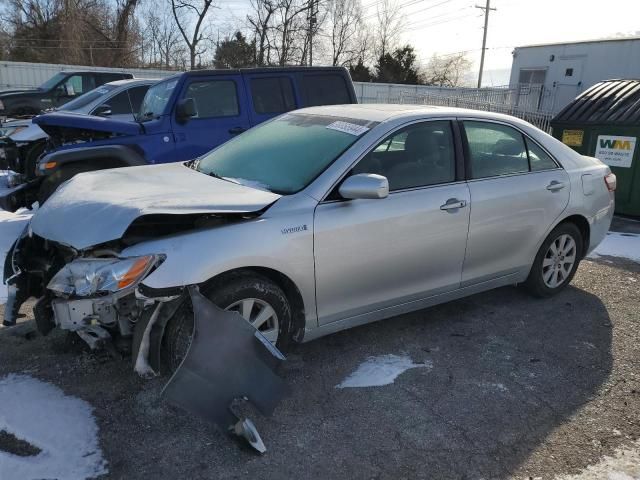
(320,220)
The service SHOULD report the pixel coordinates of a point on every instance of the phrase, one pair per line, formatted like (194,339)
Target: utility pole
(312,24)
(486,9)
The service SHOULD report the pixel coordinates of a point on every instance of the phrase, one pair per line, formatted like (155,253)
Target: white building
(564,70)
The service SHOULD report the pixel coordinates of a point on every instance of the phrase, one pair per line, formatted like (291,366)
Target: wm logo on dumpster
(615,144)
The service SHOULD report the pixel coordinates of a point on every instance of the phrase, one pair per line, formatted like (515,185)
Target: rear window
(272,95)
(89,97)
(325,90)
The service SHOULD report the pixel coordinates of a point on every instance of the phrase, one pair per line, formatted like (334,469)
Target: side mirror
(365,185)
(185,109)
(103,110)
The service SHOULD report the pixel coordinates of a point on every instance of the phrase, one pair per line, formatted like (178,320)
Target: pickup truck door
(221,113)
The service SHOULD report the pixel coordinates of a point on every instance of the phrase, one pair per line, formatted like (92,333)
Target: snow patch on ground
(62,427)
(380,370)
(625,245)
(11,226)
(624,464)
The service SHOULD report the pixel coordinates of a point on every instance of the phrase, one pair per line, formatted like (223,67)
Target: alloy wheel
(259,314)
(559,260)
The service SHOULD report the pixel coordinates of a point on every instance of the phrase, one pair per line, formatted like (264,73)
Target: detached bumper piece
(228,359)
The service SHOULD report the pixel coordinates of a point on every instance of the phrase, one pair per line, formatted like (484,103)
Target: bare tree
(447,70)
(388,27)
(345,17)
(164,37)
(261,20)
(185,12)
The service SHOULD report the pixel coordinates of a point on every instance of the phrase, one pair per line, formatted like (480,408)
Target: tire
(229,294)
(552,272)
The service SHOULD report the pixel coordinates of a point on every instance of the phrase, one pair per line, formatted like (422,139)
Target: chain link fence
(532,103)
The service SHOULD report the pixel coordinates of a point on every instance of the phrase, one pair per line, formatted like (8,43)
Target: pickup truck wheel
(255,297)
(53,181)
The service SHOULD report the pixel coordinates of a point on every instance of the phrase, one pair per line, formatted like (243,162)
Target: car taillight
(611,182)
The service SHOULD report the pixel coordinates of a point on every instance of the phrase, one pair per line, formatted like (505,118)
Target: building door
(569,80)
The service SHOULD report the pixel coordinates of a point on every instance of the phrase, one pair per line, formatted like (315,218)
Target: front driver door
(373,254)
(220,114)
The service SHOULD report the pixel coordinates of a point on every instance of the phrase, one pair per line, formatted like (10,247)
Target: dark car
(56,91)
(181,118)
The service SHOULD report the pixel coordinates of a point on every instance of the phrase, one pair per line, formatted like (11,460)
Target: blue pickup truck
(181,118)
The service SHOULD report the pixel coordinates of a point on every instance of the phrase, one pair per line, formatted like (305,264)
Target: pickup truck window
(283,155)
(272,95)
(156,99)
(52,82)
(214,98)
(325,90)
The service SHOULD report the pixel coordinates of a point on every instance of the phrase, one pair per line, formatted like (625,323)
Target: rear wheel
(556,262)
(255,297)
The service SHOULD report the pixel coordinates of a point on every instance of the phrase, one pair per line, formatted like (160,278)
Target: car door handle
(453,204)
(236,130)
(555,185)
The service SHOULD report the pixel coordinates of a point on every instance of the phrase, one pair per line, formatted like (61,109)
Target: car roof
(249,71)
(95,71)
(129,81)
(382,112)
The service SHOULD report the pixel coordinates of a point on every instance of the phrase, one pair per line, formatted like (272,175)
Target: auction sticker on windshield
(346,127)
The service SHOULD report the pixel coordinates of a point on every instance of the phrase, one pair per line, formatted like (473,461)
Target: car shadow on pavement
(504,370)
(501,371)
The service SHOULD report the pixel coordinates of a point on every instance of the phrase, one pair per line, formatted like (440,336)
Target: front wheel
(556,262)
(256,298)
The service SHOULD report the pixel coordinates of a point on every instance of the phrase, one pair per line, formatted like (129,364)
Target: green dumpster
(604,122)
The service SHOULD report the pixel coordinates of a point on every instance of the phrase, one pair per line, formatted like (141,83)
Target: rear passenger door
(269,96)
(219,114)
(517,192)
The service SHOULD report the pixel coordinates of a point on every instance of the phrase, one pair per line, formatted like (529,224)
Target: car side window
(417,156)
(495,149)
(272,95)
(214,98)
(136,95)
(325,90)
(538,158)
(119,104)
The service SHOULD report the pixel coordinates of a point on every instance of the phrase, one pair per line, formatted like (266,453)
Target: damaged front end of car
(98,294)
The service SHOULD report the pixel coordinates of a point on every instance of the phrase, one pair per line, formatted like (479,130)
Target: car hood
(52,122)
(15,93)
(97,207)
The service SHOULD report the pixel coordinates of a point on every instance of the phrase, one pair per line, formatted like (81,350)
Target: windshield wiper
(220,177)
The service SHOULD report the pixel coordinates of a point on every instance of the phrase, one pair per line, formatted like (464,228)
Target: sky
(448,26)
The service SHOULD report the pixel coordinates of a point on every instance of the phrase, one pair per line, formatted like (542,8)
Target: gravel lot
(513,387)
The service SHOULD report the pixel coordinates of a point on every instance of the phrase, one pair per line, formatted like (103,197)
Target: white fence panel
(31,75)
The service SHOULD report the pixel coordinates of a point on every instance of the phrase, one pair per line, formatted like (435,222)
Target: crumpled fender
(228,359)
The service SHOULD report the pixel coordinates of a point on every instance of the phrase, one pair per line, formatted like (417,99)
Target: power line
(486,9)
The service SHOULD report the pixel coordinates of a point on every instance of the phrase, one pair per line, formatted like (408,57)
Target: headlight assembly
(86,276)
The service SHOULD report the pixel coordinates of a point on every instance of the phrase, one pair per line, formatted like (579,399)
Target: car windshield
(87,98)
(156,100)
(283,155)
(53,81)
